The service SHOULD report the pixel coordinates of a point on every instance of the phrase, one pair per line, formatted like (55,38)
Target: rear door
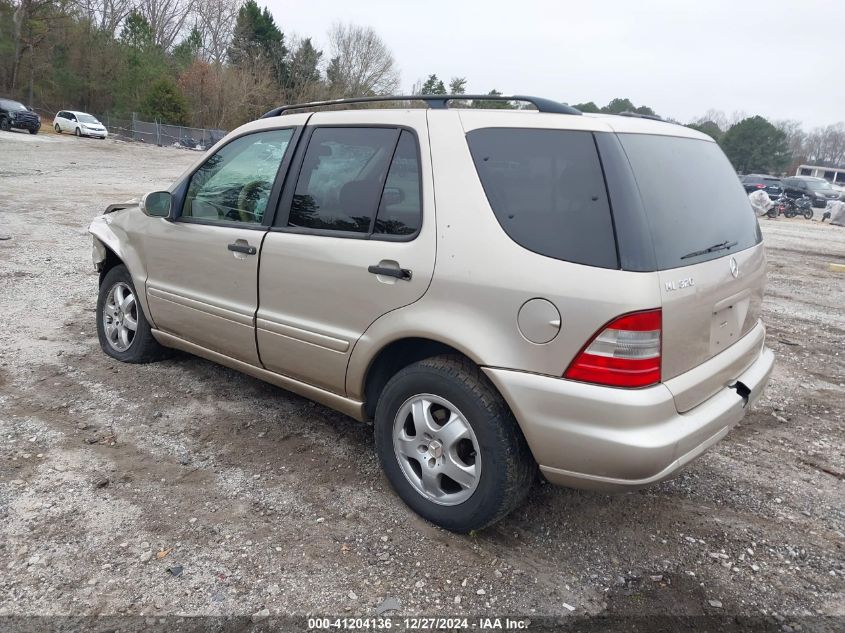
(708,253)
(354,238)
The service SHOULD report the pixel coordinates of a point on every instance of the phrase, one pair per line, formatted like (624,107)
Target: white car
(80,123)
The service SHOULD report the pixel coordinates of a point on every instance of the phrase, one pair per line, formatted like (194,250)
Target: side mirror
(157,204)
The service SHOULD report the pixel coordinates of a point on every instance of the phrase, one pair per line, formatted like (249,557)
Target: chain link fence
(133,129)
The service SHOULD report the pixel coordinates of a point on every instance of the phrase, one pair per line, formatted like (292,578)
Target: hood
(121,206)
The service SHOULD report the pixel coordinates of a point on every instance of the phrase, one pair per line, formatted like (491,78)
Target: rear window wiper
(726,245)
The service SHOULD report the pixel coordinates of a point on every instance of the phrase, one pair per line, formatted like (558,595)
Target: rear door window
(400,209)
(341,179)
(691,197)
(547,191)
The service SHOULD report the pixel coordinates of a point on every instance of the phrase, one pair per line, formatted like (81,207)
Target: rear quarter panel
(482,278)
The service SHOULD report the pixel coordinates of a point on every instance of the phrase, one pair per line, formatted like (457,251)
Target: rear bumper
(587,436)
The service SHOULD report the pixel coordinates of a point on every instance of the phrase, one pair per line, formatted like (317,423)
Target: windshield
(816,185)
(692,198)
(86,118)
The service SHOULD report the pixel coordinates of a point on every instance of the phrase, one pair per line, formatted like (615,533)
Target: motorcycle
(790,208)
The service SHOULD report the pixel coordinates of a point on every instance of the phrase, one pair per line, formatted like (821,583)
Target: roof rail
(437,102)
(637,115)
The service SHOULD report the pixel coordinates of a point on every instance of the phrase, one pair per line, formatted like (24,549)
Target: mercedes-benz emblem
(734,268)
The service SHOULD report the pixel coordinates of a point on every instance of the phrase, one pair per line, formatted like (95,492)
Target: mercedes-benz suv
(498,291)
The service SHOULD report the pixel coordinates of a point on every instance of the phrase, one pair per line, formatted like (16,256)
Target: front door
(203,266)
(353,240)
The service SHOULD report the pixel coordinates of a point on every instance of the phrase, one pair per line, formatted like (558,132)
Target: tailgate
(709,308)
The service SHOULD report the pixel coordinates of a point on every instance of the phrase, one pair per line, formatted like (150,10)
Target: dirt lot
(112,474)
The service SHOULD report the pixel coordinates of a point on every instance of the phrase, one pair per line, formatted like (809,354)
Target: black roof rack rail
(637,115)
(437,102)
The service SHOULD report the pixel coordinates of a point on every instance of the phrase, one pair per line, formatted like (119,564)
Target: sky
(778,59)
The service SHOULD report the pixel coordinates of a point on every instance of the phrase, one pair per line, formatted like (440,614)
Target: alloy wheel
(437,449)
(120,317)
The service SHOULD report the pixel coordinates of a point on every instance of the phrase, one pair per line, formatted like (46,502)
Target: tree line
(207,63)
(756,145)
(219,63)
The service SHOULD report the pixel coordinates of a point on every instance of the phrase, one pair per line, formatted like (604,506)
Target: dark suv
(770,184)
(819,190)
(16,115)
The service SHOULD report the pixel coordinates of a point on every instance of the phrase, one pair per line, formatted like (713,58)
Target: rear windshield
(547,191)
(691,197)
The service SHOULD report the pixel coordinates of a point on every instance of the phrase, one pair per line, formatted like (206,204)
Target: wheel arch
(394,356)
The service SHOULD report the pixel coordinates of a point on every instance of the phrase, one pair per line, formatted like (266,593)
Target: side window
(547,191)
(342,177)
(400,209)
(72,117)
(234,184)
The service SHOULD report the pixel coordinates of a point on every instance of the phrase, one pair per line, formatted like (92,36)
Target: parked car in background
(819,190)
(586,300)
(770,184)
(79,123)
(14,114)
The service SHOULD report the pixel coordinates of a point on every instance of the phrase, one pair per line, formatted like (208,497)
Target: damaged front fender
(115,241)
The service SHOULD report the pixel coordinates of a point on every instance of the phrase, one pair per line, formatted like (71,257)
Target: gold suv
(498,290)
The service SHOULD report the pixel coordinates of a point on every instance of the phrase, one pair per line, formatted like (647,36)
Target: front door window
(234,184)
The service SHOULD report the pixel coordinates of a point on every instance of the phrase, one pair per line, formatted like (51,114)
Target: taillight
(761,186)
(625,353)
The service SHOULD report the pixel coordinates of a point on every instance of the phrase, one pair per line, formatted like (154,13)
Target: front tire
(122,327)
(58,128)
(35,131)
(450,446)
(78,132)
(808,214)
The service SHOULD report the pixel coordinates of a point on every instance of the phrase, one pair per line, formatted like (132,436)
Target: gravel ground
(186,488)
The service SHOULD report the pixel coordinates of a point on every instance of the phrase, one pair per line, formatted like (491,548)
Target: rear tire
(5,125)
(122,327)
(58,128)
(485,447)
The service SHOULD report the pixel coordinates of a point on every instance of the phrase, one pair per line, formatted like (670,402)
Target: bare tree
(795,136)
(826,145)
(361,63)
(166,18)
(216,21)
(32,21)
(105,15)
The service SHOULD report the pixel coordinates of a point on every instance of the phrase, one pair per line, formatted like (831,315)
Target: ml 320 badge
(686,282)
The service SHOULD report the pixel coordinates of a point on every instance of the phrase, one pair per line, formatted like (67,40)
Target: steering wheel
(247,199)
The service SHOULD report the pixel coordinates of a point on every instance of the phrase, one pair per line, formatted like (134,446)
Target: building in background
(835,175)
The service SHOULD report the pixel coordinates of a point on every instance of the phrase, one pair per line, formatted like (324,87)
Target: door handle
(242,248)
(399,273)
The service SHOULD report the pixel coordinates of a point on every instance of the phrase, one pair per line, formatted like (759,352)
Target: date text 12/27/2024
(419,624)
